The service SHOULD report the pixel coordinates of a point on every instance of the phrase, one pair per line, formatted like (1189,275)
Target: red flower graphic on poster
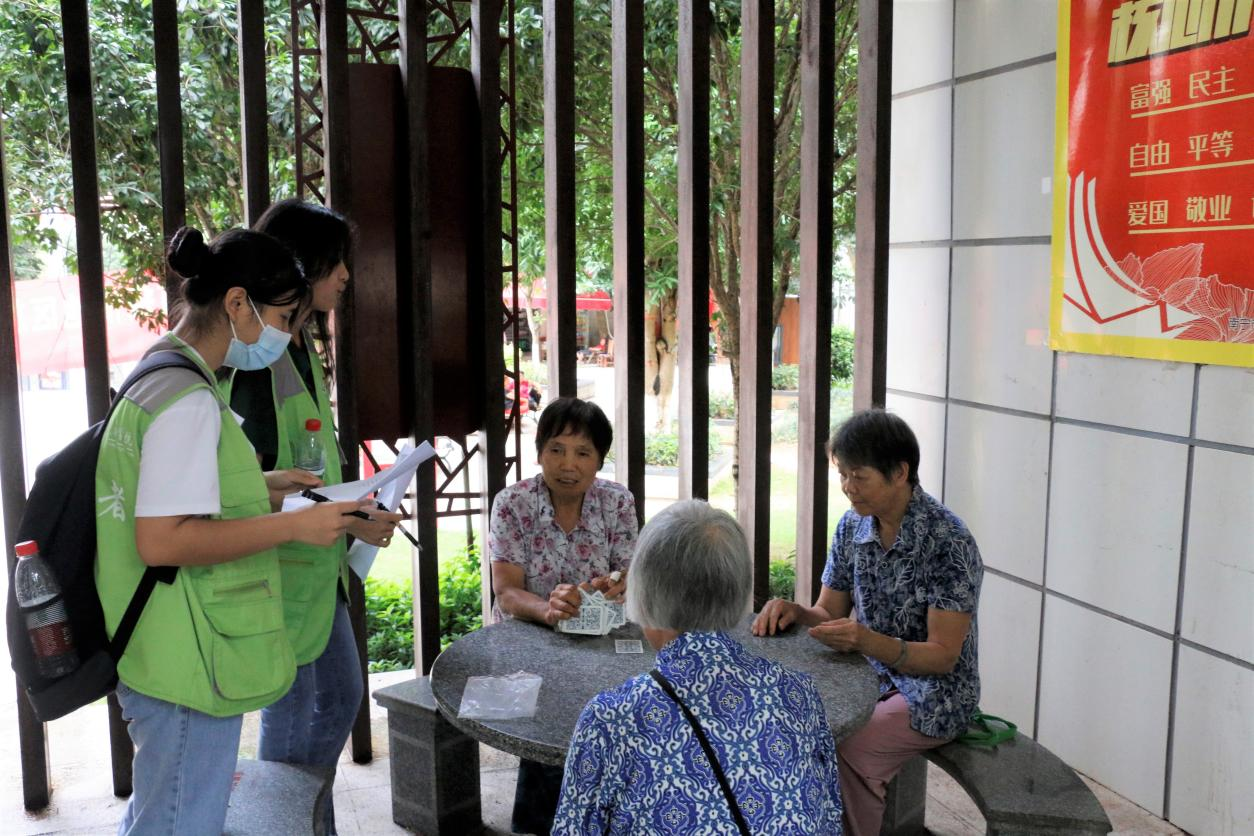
(1154,230)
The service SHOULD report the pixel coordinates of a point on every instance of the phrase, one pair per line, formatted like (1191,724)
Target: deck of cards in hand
(597,616)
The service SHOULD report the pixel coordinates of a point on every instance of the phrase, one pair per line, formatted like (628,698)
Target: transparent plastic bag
(511,697)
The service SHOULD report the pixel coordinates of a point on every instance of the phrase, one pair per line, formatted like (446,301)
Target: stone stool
(278,799)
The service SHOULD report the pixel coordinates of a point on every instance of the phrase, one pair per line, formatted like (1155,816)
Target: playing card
(591,620)
(616,614)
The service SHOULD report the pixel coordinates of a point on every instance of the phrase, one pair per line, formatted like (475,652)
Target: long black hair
(265,268)
(321,239)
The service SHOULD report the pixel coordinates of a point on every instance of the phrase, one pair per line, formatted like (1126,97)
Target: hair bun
(187,252)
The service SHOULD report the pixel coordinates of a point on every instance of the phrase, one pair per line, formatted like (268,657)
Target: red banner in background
(1154,208)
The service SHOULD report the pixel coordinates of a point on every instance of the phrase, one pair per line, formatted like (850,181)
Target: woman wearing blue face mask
(178,484)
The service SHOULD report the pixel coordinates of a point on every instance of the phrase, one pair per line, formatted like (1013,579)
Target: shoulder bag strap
(705,747)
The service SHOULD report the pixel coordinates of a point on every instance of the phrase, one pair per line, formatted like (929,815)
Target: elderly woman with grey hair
(714,739)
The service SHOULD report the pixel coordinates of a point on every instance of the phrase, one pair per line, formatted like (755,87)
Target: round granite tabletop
(576,668)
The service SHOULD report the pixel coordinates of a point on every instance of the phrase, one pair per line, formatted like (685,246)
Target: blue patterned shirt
(635,766)
(933,564)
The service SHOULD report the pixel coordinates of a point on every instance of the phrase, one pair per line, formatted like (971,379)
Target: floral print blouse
(523,532)
(635,766)
(934,563)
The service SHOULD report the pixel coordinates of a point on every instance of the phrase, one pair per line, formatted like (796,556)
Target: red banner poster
(1153,245)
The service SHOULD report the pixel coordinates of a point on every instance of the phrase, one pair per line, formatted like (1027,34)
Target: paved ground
(83,801)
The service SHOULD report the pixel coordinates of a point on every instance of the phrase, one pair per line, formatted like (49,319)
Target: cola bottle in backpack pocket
(43,608)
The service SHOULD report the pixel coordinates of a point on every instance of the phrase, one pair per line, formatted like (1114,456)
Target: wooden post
(875,70)
(818,74)
(694,249)
(559,193)
(165,42)
(627,59)
(252,108)
(757,152)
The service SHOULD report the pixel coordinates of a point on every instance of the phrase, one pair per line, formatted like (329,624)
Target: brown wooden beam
(559,193)
(818,83)
(694,249)
(627,68)
(426,583)
(757,212)
(875,70)
(252,108)
(31,736)
(485,65)
(165,40)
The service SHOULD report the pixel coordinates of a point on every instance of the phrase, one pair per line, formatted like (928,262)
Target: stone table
(576,668)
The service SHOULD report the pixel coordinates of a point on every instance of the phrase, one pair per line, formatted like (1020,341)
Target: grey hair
(691,570)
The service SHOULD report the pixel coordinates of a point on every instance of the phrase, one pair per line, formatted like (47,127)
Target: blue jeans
(184,767)
(311,723)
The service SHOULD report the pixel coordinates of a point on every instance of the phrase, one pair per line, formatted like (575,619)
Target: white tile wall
(1115,519)
(1104,699)
(1010,629)
(1213,759)
(922,43)
(1003,154)
(918,309)
(927,419)
(996,474)
(1225,405)
(918,194)
(999,327)
(992,33)
(1219,566)
(1126,392)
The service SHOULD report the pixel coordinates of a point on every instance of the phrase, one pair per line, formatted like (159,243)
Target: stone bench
(1020,787)
(435,768)
(278,799)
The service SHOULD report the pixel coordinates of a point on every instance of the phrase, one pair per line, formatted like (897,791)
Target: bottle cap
(313,425)
(26,548)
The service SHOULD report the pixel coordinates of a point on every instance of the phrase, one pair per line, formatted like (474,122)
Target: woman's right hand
(564,603)
(776,616)
(322,523)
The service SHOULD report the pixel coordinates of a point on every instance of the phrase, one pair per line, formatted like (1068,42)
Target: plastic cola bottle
(309,453)
(39,596)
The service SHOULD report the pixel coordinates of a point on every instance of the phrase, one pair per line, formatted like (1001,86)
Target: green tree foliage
(36,126)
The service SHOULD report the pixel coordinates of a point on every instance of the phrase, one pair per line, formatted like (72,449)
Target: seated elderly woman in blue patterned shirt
(901,587)
(636,764)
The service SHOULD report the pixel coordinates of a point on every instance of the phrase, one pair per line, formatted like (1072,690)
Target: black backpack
(60,516)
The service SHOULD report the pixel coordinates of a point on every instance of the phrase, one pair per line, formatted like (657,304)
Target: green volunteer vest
(310,573)
(214,640)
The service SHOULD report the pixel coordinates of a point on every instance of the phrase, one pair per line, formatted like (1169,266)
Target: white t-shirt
(178,468)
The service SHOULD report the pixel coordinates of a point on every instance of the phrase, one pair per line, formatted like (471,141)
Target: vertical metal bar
(252,108)
(559,192)
(82,123)
(870,283)
(694,249)
(333,40)
(629,286)
(757,151)
(32,741)
(413,32)
(485,65)
(298,128)
(165,41)
(818,83)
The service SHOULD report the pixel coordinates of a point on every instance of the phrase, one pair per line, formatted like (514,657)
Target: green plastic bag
(983,731)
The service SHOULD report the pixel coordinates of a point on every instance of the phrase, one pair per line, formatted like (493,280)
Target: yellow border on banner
(1150,348)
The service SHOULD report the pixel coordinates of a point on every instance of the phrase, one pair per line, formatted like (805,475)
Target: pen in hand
(311,494)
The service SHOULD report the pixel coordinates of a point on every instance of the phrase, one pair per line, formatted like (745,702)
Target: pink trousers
(871,757)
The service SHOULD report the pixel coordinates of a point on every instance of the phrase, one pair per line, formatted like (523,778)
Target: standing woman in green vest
(283,406)
(178,484)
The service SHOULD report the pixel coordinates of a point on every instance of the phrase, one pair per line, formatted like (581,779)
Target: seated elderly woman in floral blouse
(550,535)
(901,587)
(636,765)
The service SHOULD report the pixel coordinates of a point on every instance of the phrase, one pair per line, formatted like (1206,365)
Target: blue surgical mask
(259,355)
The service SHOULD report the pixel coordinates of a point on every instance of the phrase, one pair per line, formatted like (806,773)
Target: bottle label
(49,630)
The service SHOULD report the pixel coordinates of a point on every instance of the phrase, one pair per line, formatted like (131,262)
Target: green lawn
(393,563)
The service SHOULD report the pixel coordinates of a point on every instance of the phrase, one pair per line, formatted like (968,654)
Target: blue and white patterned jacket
(635,766)
(934,563)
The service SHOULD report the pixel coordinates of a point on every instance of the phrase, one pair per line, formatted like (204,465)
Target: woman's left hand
(280,483)
(377,531)
(843,635)
(612,589)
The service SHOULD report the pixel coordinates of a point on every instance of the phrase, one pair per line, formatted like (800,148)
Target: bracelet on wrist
(901,657)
